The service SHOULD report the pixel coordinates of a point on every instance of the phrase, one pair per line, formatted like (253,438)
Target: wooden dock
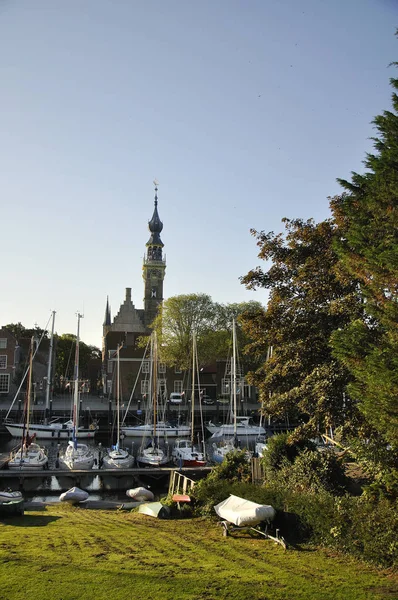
(18,473)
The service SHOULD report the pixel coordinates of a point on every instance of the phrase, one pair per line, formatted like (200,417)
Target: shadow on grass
(30,520)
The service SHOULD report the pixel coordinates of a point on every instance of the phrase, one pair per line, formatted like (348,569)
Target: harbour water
(100,486)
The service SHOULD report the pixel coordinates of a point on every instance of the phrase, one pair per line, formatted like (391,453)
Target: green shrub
(313,471)
(282,450)
(361,527)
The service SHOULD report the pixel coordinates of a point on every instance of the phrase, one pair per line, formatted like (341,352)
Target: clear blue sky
(245,111)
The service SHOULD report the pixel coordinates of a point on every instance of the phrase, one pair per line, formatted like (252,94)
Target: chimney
(128,294)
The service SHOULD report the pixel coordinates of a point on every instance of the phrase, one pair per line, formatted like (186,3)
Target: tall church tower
(154,266)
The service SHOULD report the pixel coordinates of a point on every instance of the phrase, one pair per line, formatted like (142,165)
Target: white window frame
(3,343)
(3,361)
(144,387)
(4,383)
(110,366)
(162,368)
(177,370)
(109,386)
(145,366)
(178,383)
(225,385)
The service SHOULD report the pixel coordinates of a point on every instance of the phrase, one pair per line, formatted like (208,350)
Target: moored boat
(76,456)
(30,457)
(117,457)
(74,495)
(186,454)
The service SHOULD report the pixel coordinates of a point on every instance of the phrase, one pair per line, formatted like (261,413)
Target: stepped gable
(128,319)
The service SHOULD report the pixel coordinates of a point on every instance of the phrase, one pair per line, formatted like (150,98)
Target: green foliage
(19,331)
(298,377)
(282,449)
(181,316)
(65,356)
(367,218)
(313,471)
(220,482)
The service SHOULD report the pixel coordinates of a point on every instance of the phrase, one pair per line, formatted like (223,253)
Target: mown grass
(67,553)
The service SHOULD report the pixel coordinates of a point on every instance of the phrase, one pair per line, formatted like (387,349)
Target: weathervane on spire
(156,184)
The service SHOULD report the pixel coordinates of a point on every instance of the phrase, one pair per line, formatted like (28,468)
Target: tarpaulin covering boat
(74,495)
(243,513)
(140,494)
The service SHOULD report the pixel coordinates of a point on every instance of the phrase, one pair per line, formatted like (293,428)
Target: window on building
(162,388)
(110,366)
(109,386)
(144,387)
(3,361)
(4,383)
(178,386)
(145,366)
(162,368)
(177,370)
(3,343)
(225,385)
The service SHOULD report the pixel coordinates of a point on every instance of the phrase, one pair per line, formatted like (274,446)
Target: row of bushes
(311,505)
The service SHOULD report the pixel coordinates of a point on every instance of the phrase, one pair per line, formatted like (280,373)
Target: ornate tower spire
(154,244)
(107,319)
(154,265)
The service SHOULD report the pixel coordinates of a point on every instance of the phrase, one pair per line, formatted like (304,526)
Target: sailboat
(185,452)
(151,454)
(226,443)
(76,456)
(117,457)
(30,455)
(240,426)
(164,429)
(54,429)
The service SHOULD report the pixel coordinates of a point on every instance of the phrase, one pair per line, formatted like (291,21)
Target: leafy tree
(298,379)
(65,356)
(180,316)
(367,218)
(19,331)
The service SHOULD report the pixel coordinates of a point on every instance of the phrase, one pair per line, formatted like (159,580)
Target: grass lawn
(67,553)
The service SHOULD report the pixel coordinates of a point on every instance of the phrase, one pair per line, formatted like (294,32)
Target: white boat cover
(9,496)
(140,494)
(243,512)
(74,495)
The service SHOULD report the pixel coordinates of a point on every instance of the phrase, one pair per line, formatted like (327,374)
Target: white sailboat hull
(75,459)
(49,432)
(118,459)
(242,429)
(186,455)
(152,457)
(162,430)
(32,458)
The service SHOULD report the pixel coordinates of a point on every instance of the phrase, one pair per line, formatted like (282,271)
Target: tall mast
(48,389)
(154,382)
(193,386)
(29,389)
(234,374)
(76,387)
(118,396)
